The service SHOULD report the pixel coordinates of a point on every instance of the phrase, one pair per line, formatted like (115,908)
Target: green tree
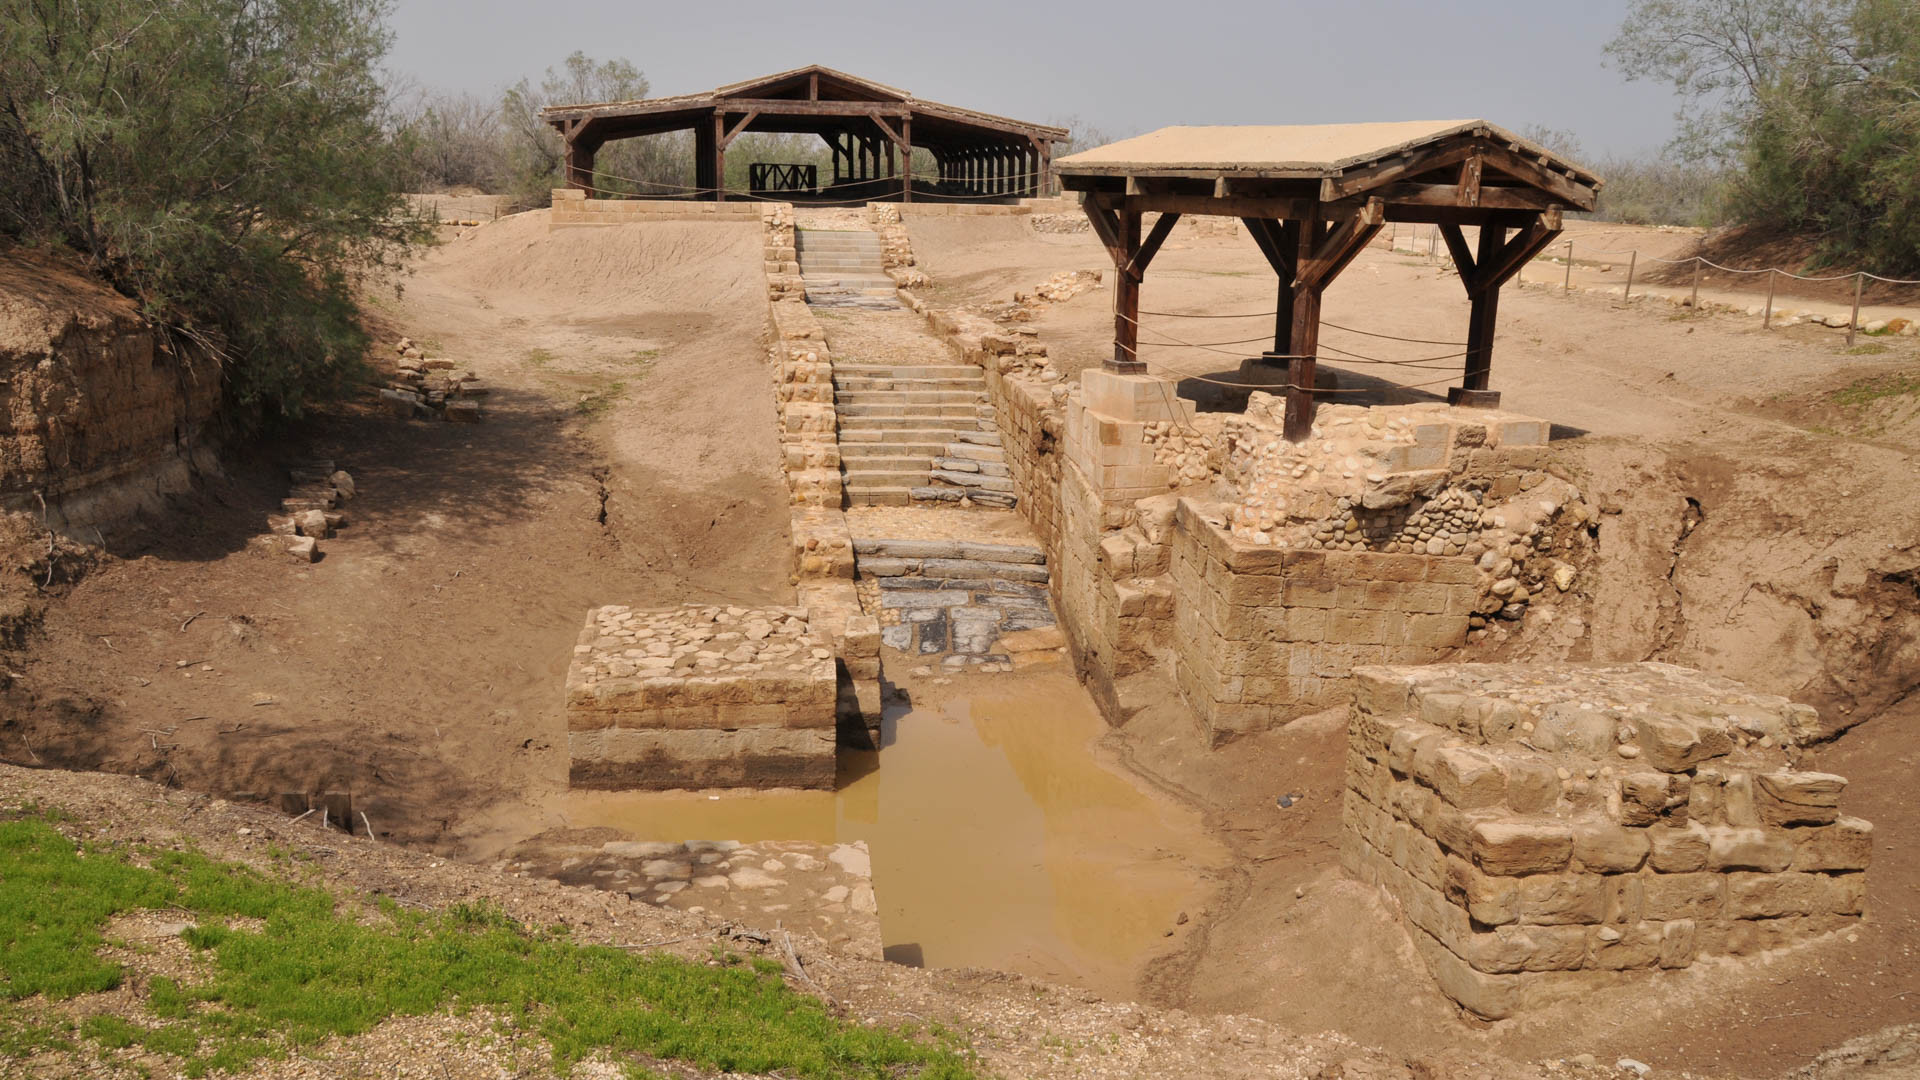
(224,161)
(1812,105)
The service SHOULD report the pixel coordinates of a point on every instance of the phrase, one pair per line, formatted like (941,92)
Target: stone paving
(826,889)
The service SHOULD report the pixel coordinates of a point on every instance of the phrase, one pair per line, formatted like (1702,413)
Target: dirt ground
(628,455)
(1762,524)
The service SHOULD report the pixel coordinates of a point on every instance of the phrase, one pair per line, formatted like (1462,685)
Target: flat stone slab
(823,888)
(947,549)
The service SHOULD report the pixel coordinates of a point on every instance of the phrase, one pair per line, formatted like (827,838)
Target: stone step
(906,371)
(873,451)
(966,465)
(995,499)
(814,265)
(895,573)
(977,550)
(861,385)
(911,422)
(864,479)
(913,435)
(837,238)
(973,480)
(968,410)
(925,397)
(967,451)
(880,496)
(980,438)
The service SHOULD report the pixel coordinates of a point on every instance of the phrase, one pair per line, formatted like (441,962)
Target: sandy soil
(628,455)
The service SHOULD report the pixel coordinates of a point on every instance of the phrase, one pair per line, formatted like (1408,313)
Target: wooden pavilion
(1313,196)
(872,129)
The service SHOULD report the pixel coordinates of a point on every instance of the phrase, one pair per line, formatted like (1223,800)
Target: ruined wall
(1541,827)
(572,208)
(700,696)
(97,415)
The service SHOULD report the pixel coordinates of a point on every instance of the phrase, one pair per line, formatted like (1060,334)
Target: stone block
(1533,787)
(1489,996)
(1798,798)
(1559,899)
(1514,848)
(1678,850)
(1636,945)
(1847,844)
(1764,850)
(1770,896)
(1608,848)
(1678,943)
(1683,896)
(1679,743)
(1469,779)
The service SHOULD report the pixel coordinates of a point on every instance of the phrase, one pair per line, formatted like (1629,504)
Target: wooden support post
(1766,319)
(1485,311)
(1497,260)
(1567,286)
(1859,283)
(1633,260)
(1303,339)
(906,160)
(719,156)
(1693,304)
(1046,169)
(1119,232)
(579,165)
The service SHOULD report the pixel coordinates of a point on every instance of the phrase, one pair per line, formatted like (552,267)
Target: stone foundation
(695,697)
(572,208)
(1541,825)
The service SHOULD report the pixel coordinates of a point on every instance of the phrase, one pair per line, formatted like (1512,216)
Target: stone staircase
(843,269)
(918,433)
(957,598)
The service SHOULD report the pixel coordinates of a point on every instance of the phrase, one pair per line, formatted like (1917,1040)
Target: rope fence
(885,185)
(1699,263)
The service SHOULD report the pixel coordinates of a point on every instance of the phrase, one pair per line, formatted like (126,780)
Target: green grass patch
(540,357)
(1876,387)
(1872,348)
(304,968)
(599,402)
(645,355)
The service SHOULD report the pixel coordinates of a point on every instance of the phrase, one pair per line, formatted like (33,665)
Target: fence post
(1766,321)
(1568,286)
(1633,259)
(1859,281)
(1695,302)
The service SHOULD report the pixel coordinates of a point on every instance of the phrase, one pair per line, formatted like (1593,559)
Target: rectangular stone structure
(1545,827)
(700,696)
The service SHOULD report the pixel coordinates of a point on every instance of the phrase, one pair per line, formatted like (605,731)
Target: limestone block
(1797,798)
(1678,743)
(1609,848)
(1532,787)
(1748,849)
(1678,943)
(1678,850)
(1558,899)
(1514,847)
(1683,896)
(1469,779)
(1634,946)
(1847,844)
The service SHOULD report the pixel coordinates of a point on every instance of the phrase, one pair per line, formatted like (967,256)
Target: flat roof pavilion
(1313,196)
(871,128)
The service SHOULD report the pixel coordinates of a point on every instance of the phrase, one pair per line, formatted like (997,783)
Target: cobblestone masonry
(1541,825)
(700,696)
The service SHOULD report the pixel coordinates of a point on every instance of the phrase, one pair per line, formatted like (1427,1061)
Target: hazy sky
(1121,67)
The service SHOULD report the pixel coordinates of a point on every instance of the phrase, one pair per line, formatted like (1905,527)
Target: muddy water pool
(1000,835)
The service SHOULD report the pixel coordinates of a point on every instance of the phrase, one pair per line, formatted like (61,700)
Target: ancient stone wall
(783,253)
(701,696)
(98,417)
(1263,634)
(572,208)
(1541,826)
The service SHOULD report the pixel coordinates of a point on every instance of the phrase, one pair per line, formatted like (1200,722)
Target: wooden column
(1119,232)
(719,156)
(1497,260)
(1046,168)
(704,141)
(579,164)
(906,159)
(1303,337)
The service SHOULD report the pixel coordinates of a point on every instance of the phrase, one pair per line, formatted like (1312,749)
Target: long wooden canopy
(1314,196)
(865,123)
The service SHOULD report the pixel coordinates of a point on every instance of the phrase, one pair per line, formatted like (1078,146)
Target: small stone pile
(310,512)
(1186,451)
(428,388)
(1062,287)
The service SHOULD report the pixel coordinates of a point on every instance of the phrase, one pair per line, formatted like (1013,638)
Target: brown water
(1000,836)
